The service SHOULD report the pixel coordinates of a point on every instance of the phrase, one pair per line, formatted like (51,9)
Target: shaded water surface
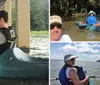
(76,34)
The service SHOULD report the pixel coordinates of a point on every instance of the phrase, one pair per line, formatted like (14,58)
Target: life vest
(10,36)
(62,75)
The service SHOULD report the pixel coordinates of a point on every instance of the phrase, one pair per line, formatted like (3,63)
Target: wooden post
(7,7)
(23,23)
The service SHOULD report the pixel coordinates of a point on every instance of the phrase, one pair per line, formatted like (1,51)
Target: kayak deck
(14,63)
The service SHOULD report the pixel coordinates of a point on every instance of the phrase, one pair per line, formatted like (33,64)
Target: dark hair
(4,15)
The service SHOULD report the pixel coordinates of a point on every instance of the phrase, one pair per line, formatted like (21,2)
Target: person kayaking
(91,19)
(7,34)
(70,75)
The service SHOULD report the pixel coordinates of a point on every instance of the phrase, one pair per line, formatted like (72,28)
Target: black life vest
(10,36)
(62,75)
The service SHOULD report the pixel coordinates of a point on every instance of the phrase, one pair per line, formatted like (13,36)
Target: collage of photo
(49,42)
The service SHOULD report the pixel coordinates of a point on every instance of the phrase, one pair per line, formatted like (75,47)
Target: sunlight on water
(39,46)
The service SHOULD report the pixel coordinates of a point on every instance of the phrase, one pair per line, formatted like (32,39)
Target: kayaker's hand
(87,78)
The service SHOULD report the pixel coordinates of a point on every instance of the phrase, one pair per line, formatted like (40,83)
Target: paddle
(94,76)
(54,78)
(89,77)
(90,34)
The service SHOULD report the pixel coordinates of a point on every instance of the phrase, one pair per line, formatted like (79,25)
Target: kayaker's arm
(98,24)
(74,77)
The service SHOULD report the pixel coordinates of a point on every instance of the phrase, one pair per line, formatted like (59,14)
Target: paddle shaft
(54,78)
(94,76)
(89,77)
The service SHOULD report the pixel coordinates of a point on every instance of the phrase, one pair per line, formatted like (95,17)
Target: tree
(39,15)
(64,8)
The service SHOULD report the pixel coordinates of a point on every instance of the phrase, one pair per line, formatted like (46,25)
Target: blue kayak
(14,63)
(83,25)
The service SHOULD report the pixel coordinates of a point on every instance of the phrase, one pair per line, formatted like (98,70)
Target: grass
(39,32)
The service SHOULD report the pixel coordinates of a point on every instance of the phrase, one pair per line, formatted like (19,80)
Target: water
(39,46)
(93,68)
(76,34)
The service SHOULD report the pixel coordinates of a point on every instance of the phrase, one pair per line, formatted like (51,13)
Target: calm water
(93,68)
(76,34)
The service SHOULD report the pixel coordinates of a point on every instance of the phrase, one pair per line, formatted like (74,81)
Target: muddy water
(76,34)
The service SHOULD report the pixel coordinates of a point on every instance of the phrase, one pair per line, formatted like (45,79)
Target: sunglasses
(73,59)
(59,26)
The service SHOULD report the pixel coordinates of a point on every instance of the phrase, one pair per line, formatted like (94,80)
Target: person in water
(7,34)
(70,75)
(56,30)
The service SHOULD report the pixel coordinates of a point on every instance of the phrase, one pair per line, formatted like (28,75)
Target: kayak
(79,23)
(84,25)
(14,63)
(91,82)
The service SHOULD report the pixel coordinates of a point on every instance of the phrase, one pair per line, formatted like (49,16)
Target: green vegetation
(39,32)
(68,8)
(38,15)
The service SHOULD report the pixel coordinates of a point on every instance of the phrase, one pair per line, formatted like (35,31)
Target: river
(76,34)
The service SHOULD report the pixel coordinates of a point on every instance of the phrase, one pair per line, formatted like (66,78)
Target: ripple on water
(39,46)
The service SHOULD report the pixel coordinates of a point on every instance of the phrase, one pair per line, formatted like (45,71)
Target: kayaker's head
(91,13)
(55,27)
(3,19)
(70,59)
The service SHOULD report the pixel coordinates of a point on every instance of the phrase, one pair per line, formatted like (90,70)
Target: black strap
(63,84)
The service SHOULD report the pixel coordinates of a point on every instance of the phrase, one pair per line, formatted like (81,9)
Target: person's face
(55,32)
(71,61)
(91,14)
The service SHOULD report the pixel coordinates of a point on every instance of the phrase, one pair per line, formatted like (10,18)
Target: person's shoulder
(73,70)
(65,38)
